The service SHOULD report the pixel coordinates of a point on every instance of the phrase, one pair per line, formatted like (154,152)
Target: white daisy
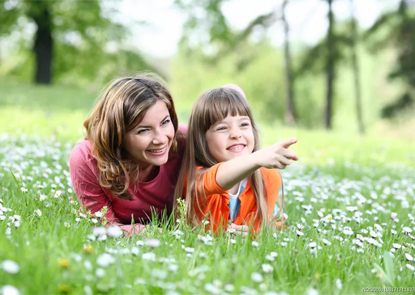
(105,260)
(10,266)
(114,232)
(152,243)
(409,257)
(9,290)
(257,277)
(267,268)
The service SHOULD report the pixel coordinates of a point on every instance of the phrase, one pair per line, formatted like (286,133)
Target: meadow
(350,204)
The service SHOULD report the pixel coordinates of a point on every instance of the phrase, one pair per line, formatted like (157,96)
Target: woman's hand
(240,230)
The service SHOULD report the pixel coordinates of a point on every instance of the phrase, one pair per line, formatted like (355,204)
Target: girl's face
(230,138)
(149,143)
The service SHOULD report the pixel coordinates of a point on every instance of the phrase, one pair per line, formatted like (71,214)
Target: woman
(132,153)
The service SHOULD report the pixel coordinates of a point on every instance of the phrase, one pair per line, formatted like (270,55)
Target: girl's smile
(230,138)
(236,148)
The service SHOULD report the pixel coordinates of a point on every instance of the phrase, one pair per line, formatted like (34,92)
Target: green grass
(57,111)
(335,172)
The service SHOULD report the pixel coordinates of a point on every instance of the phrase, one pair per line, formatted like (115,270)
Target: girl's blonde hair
(119,110)
(213,106)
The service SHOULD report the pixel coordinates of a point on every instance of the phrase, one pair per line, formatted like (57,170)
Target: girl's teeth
(236,148)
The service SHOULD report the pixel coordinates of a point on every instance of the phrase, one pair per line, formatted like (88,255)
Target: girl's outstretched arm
(275,156)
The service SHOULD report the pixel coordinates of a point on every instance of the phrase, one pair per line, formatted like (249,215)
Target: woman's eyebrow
(164,118)
(148,126)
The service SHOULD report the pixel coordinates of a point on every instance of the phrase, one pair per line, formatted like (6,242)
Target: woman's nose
(159,137)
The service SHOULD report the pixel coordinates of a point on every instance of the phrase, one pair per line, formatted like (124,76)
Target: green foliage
(261,74)
(388,274)
(396,29)
(88,45)
(261,79)
(393,109)
(314,59)
(207,31)
(9,12)
(205,24)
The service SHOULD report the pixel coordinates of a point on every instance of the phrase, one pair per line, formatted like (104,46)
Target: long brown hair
(212,106)
(119,110)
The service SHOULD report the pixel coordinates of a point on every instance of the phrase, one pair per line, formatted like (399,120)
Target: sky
(307,19)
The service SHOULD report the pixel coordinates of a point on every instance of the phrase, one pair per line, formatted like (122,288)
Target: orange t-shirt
(216,206)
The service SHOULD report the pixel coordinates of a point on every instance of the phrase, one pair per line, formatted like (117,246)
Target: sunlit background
(337,74)
(351,74)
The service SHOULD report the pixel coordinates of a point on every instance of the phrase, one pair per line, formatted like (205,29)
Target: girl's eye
(167,121)
(221,128)
(246,124)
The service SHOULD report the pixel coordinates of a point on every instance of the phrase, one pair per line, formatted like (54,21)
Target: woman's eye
(167,121)
(141,131)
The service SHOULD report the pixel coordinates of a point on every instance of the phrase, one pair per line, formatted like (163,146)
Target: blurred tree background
(351,80)
(64,42)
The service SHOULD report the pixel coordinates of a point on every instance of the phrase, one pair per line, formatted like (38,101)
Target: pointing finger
(288,142)
(284,161)
(289,154)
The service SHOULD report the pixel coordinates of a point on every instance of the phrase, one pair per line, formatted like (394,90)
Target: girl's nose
(235,134)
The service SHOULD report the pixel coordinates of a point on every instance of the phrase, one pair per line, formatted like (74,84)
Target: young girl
(224,176)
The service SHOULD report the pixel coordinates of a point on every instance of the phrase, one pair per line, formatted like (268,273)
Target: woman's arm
(88,191)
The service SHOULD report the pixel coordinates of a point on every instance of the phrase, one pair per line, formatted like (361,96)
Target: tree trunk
(290,115)
(43,45)
(356,73)
(329,69)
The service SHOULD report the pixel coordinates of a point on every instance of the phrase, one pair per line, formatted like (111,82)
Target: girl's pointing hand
(278,155)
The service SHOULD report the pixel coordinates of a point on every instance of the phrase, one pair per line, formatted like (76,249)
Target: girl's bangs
(223,102)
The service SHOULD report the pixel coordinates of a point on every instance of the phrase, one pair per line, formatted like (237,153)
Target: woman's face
(149,143)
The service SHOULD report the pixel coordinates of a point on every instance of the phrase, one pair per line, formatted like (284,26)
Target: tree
(324,57)
(330,67)
(40,13)
(70,37)
(356,70)
(290,114)
(397,29)
(206,30)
